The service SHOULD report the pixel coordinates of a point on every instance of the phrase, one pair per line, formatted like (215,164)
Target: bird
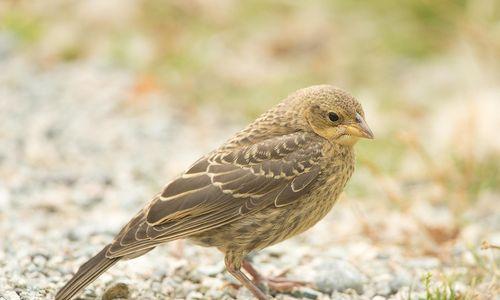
(274,179)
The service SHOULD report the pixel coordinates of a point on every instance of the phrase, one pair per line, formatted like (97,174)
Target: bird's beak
(360,128)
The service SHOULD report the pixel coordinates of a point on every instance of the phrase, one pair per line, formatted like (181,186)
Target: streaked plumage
(273,180)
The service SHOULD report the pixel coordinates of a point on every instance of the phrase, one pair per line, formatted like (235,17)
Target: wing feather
(186,185)
(224,186)
(296,188)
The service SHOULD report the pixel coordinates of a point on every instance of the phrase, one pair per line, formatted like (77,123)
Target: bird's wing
(224,186)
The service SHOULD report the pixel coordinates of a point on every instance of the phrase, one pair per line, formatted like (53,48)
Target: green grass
(25,28)
(444,291)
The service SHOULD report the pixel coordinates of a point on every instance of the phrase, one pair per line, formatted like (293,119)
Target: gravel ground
(82,150)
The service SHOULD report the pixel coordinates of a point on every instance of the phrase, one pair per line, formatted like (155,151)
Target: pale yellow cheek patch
(347,140)
(329,133)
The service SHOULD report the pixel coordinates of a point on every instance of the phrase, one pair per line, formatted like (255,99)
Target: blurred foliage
(22,26)
(244,56)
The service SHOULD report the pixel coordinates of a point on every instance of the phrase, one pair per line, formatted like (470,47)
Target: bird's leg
(279,284)
(233,266)
(178,251)
(247,266)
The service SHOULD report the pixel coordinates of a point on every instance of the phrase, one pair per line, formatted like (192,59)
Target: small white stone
(194,296)
(4,198)
(10,295)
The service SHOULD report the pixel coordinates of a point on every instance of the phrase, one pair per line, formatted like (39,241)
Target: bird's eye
(333,117)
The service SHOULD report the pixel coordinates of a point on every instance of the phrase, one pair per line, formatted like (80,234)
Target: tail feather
(87,273)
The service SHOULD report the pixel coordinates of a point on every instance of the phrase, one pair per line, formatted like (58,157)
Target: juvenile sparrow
(271,181)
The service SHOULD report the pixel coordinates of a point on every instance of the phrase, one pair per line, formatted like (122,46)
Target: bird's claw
(284,285)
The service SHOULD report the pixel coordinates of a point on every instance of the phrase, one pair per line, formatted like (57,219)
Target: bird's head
(333,114)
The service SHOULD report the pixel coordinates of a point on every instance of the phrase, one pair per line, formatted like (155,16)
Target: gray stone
(400,280)
(338,275)
(426,263)
(340,296)
(211,270)
(307,293)
(383,284)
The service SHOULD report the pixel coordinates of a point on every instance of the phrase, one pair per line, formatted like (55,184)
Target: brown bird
(271,181)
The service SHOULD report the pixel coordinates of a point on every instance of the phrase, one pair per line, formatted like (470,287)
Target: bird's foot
(279,284)
(231,285)
(283,285)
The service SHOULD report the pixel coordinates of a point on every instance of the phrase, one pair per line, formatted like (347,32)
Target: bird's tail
(87,273)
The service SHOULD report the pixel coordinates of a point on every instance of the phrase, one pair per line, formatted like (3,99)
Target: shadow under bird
(271,181)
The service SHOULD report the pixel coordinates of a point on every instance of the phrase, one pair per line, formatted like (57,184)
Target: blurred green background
(243,53)
(427,73)
(412,63)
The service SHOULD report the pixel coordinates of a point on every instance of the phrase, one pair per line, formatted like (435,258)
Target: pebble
(400,280)
(340,296)
(195,296)
(214,294)
(4,198)
(39,260)
(244,293)
(337,275)
(285,297)
(212,270)
(382,286)
(10,295)
(307,293)
(117,291)
(424,263)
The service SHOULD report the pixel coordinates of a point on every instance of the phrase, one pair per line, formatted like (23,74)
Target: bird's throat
(347,140)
